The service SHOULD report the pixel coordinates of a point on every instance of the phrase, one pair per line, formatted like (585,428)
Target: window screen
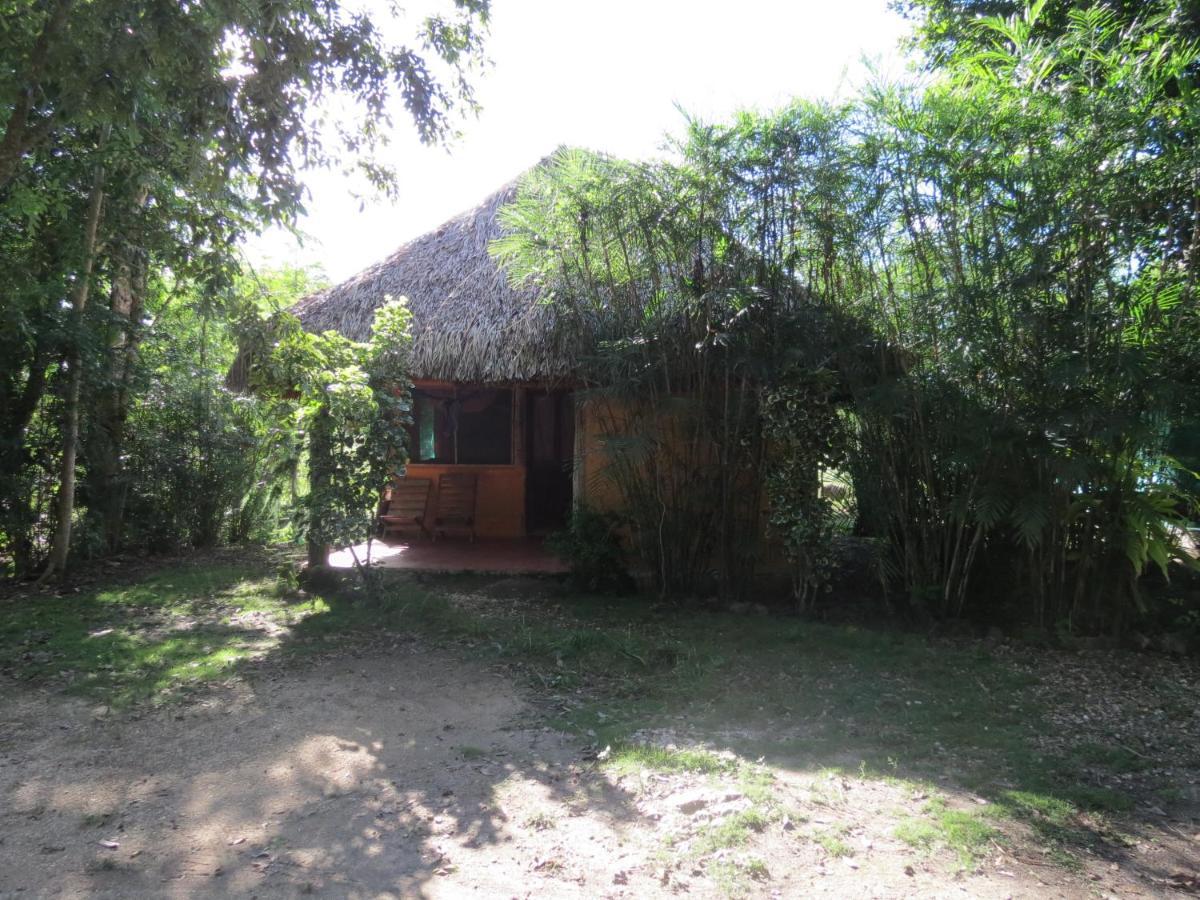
(464,426)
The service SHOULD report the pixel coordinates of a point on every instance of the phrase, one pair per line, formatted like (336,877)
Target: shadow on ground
(369,765)
(438,735)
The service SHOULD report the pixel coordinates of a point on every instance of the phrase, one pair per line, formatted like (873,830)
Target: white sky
(601,74)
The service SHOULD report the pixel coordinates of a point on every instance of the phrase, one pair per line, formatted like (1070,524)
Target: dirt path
(409,773)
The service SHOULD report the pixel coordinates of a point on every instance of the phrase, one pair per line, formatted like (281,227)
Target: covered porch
(493,438)
(485,461)
(490,474)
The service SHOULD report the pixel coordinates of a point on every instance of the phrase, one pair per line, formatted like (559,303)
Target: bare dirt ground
(411,774)
(400,769)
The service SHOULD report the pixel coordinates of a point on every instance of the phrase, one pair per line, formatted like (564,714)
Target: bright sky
(601,74)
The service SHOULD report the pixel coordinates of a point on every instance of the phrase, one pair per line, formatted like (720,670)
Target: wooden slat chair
(455,505)
(405,508)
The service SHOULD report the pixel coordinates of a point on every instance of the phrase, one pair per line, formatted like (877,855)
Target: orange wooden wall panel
(500,497)
(600,493)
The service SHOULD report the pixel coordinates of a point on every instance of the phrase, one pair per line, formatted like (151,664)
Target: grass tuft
(630,758)
(966,832)
(833,844)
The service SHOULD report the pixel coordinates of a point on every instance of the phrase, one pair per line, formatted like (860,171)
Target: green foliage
(352,402)
(1047,341)
(193,458)
(963,27)
(682,282)
(193,450)
(186,126)
(807,438)
(169,457)
(591,546)
(978,297)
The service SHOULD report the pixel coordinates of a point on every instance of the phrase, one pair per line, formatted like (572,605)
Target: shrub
(591,546)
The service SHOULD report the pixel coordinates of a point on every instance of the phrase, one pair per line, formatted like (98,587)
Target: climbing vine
(352,403)
(807,439)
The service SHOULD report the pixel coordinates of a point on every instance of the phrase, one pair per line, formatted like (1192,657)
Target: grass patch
(966,832)
(1032,805)
(541,822)
(1111,757)
(731,877)
(920,834)
(631,758)
(757,869)
(758,785)
(732,831)
(832,843)
(1065,820)
(728,878)
(168,632)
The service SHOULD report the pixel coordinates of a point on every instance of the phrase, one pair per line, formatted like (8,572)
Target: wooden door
(550,450)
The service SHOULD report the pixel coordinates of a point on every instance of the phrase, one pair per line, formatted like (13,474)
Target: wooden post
(519,450)
(579,459)
(519,414)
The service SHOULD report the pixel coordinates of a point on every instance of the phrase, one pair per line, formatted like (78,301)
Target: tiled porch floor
(511,557)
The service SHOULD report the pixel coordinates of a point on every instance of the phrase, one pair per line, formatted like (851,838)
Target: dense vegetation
(956,316)
(974,298)
(139,143)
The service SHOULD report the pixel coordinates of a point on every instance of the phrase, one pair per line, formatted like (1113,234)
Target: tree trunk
(107,444)
(16,516)
(79,297)
(107,484)
(319,451)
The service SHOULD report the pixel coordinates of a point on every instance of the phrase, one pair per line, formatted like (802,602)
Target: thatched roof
(469,324)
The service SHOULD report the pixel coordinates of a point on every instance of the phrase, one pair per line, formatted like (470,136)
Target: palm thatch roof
(469,323)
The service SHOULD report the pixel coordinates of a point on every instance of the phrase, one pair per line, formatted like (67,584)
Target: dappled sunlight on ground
(348,778)
(516,556)
(500,735)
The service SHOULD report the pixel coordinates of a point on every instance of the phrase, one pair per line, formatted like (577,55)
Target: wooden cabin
(492,377)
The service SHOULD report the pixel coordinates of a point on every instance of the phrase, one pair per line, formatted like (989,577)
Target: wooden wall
(591,488)
(500,501)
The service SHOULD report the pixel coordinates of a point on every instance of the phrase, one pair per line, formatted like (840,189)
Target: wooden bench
(405,507)
(456,505)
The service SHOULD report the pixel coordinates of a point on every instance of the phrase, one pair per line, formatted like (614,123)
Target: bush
(591,546)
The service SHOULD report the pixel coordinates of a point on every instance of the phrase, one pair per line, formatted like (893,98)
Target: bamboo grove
(974,298)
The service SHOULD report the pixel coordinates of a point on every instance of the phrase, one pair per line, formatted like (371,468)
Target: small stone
(692,803)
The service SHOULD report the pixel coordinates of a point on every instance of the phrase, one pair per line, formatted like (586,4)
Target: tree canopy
(139,143)
(992,275)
